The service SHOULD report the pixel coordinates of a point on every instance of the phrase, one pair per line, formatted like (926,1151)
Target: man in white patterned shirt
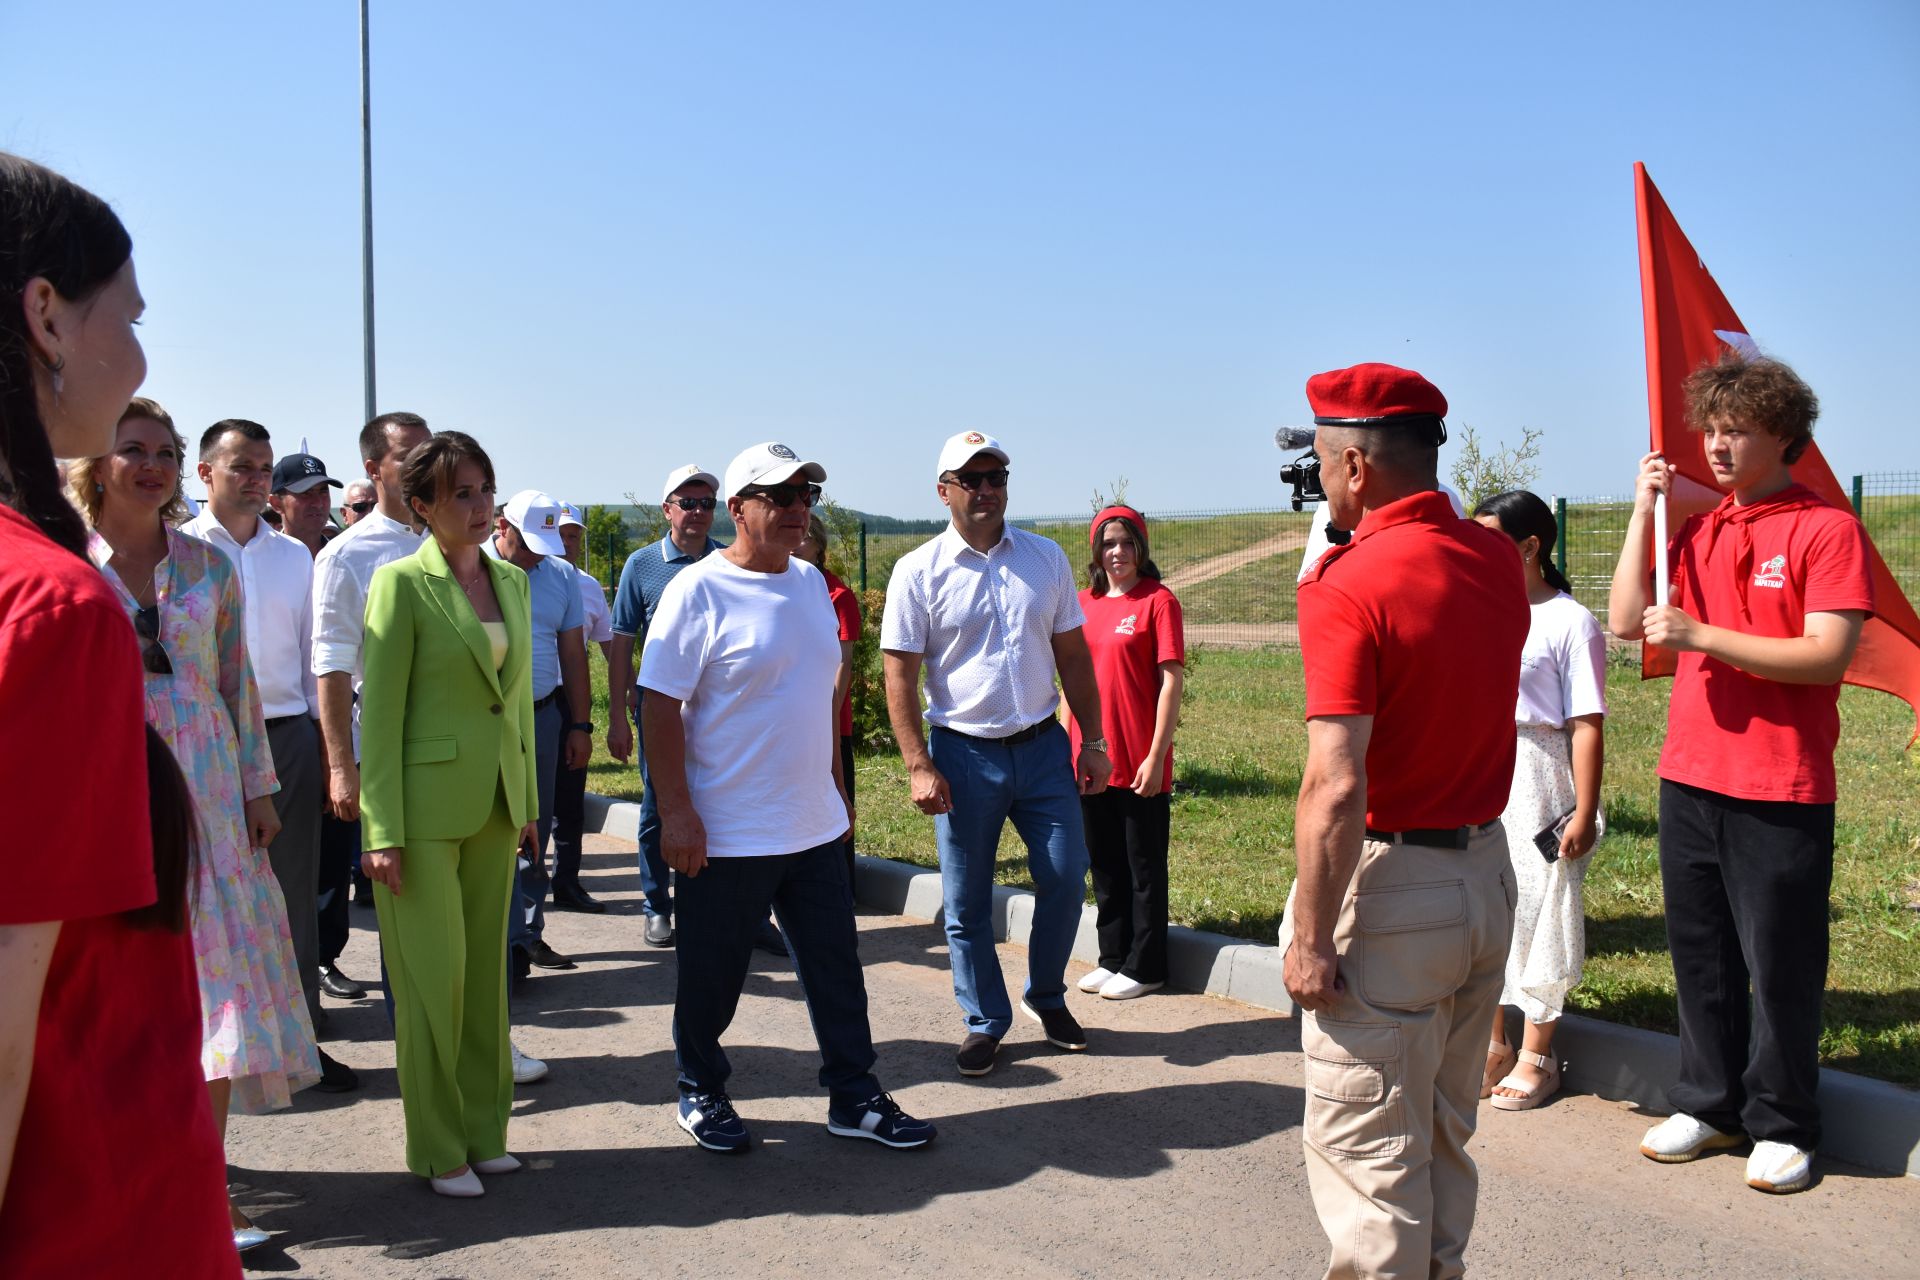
(992,614)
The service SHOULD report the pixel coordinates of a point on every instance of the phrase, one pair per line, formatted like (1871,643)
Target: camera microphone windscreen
(1294,437)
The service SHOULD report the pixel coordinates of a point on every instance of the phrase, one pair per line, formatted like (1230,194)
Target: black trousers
(1747,885)
(339,859)
(569,821)
(846,772)
(1127,862)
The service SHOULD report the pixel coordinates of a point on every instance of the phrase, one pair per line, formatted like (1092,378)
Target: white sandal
(1497,1051)
(1531,1095)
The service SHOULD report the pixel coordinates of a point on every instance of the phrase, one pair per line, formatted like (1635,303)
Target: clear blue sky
(616,237)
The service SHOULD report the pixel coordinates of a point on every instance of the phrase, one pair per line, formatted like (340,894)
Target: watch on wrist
(1094,744)
(585,726)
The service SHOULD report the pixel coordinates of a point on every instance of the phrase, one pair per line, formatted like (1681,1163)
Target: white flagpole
(1660,585)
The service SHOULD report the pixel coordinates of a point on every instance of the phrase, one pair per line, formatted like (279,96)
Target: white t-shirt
(1563,668)
(751,657)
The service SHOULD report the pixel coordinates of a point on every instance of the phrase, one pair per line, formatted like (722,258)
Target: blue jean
(720,908)
(656,879)
(527,920)
(1032,784)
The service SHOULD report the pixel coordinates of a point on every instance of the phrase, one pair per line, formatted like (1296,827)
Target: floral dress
(255,1030)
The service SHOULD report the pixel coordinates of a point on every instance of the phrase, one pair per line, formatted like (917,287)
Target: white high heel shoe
(464,1185)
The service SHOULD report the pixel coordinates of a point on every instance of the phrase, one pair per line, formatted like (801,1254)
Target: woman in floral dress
(258,1046)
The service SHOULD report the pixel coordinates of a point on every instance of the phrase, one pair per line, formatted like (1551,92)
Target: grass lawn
(1239,754)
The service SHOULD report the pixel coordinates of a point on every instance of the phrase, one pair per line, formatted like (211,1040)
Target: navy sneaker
(712,1121)
(881,1119)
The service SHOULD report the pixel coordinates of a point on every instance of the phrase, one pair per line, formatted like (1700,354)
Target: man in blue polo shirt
(527,536)
(687,501)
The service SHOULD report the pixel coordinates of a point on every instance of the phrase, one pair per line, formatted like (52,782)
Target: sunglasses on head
(361,507)
(784,495)
(153,655)
(971,480)
(695,504)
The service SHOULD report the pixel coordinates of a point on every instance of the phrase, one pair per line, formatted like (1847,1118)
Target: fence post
(1856,498)
(863,557)
(1560,543)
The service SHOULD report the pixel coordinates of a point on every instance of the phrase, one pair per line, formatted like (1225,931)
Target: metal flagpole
(366,208)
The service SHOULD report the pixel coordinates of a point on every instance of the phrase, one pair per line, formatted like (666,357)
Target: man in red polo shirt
(1771,589)
(1396,931)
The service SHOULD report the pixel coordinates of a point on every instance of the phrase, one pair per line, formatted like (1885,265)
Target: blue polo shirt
(644,576)
(557,607)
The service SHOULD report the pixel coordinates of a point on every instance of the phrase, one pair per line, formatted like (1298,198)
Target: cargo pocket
(426,750)
(1411,943)
(1353,1087)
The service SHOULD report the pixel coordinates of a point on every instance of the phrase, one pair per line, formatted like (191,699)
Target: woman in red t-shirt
(846,611)
(1139,649)
(109,1160)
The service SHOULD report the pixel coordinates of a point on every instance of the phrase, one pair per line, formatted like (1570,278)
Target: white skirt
(1549,925)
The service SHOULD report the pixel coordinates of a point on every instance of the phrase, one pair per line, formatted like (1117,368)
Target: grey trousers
(295,852)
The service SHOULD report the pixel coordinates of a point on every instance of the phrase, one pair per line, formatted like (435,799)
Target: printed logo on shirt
(1772,574)
(1126,625)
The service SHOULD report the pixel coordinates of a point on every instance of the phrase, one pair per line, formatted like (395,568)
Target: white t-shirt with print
(1563,667)
(751,657)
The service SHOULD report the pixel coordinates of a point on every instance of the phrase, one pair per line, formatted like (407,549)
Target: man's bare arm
(336,731)
(1329,826)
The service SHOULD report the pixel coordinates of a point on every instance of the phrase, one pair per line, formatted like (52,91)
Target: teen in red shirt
(1771,590)
(1139,649)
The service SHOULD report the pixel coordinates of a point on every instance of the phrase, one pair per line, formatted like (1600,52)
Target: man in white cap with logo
(743,739)
(570,784)
(992,614)
(527,536)
(688,503)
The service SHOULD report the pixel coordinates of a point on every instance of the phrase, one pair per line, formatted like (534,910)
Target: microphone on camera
(1294,437)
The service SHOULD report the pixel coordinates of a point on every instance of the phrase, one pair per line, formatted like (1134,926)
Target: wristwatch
(585,727)
(1094,744)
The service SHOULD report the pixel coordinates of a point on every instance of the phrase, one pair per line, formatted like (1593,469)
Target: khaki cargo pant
(1393,1069)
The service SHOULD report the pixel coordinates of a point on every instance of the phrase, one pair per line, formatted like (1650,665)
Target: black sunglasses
(784,495)
(971,480)
(361,507)
(695,504)
(153,655)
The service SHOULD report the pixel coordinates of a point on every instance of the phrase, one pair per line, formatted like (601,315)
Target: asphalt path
(1170,1148)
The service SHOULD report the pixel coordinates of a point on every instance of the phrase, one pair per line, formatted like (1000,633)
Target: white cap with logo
(956,452)
(769,463)
(687,475)
(537,517)
(570,514)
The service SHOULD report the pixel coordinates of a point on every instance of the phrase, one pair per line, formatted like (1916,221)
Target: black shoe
(542,956)
(577,899)
(659,931)
(339,985)
(976,1054)
(768,938)
(335,1077)
(1062,1030)
(518,967)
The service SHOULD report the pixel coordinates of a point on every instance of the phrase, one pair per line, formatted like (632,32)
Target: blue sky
(616,237)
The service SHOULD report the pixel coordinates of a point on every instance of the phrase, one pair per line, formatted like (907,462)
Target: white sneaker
(1121,987)
(1778,1167)
(1680,1138)
(526,1070)
(1099,978)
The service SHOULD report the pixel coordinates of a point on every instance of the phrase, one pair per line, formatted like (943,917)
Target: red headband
(1136,521)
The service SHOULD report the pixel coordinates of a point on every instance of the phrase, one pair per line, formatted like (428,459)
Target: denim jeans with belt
(1032,784)
(527,923)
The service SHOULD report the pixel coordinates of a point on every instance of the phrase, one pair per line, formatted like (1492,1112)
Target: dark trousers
(846,773)
(1127,862)
(1747,884)
(569,824)
(527,915)
(339,856)
(656,878)
(294,854)
(718,911)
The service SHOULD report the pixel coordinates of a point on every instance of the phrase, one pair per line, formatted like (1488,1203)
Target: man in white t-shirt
(742,733)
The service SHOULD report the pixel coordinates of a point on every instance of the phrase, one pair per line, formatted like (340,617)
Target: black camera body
(1303,473)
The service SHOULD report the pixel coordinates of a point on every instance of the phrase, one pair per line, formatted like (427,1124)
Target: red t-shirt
(1761,569)
(1419,622)
(846,607)
(118,1168)
(1129,637)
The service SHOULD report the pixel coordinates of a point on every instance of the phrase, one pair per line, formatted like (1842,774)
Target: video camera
(1303,473)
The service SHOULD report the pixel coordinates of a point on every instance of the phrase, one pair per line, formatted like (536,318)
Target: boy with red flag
(1770,591)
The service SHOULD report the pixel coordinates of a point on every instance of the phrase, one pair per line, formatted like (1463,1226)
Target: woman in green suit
(448,791)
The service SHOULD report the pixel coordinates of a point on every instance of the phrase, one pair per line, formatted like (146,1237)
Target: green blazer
(440,730)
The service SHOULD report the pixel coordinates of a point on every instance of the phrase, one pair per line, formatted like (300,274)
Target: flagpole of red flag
(1689,323)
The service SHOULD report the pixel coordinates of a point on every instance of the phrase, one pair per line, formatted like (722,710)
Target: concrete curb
(1867,1122)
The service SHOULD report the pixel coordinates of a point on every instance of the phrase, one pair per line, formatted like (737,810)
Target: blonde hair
(83,485)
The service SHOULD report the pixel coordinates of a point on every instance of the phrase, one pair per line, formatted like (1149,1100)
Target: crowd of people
(397,693)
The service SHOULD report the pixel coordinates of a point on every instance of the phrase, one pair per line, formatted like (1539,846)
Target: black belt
(1015,738)
(276,721)
(1433,837)
(541,702)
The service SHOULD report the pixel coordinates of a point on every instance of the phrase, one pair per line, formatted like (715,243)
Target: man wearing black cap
(300,484)
(1396,931)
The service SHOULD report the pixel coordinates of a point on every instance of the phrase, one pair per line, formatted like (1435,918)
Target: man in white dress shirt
(276,576)
(992,613)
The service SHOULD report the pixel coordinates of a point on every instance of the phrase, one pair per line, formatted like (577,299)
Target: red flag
(1689,323)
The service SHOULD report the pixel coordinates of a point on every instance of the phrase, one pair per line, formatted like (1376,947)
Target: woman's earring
(98,487)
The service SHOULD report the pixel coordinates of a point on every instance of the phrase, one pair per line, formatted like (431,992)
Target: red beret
(1369,392)
(1132,517)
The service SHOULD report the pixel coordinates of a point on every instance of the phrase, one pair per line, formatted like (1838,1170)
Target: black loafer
(1062,1029)
(339,985)
(577,900)
(976,1054)
(542,956)
(336,1077)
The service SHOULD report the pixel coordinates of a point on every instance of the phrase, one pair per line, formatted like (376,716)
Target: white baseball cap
(537,517)
(769,463)
(687,475)
(570,514)
(955,453)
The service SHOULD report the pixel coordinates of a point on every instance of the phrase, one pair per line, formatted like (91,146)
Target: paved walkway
(1171,1148)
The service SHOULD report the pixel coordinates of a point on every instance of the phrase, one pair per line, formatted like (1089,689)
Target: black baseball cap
(299,472)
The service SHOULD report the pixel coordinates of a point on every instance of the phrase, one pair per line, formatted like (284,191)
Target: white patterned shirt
(985,622)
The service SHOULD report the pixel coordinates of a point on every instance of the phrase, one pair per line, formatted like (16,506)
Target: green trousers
(444,936)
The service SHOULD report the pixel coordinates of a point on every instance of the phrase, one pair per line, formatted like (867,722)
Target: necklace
(476,579)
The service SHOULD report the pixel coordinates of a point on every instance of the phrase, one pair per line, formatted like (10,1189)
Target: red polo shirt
(1761,569)
(1419,622)
(1129,637)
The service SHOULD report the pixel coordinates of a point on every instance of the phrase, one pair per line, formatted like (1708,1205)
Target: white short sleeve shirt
(985,622)
(1563,668)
